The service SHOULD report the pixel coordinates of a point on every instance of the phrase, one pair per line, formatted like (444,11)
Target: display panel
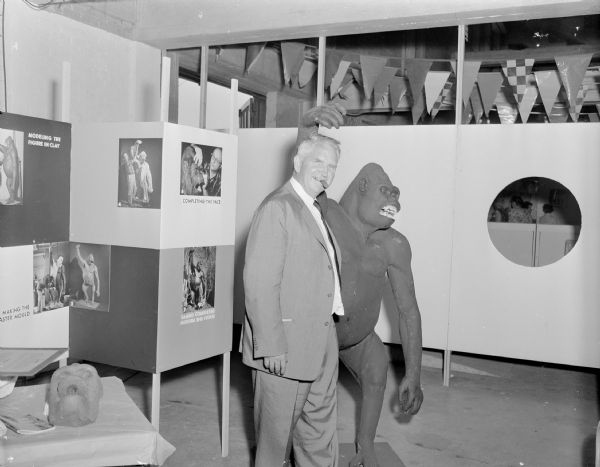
(34,180)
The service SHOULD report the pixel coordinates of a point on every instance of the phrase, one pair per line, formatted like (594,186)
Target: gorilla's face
(378,201)
(74,395)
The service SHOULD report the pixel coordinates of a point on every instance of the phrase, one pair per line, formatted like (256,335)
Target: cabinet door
(554,242)
(514,241)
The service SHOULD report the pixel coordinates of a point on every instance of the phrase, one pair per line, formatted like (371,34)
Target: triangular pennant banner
(416,72)
(418,108)
(383,82)
(292,54)
(516,72)
(336,81)
(307,71)
(572,69)
(470,70)
(574,111)
(453,65)
(371,68)
(476,104)
(529,98)
(434,84)
(253,53)
(489,85)
(443,96)
(548,83)
(467,115)
(397,91)
(357,74)
(332,63)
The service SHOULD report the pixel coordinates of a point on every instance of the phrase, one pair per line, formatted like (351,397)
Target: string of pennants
(427,90)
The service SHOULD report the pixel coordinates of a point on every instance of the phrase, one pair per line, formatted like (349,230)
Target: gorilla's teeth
(388,211)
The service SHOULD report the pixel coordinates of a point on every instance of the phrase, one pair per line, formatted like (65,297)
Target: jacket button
(329,267)
(330,294)
(327,323)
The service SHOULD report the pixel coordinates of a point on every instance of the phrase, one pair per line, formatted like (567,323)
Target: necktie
(317,204)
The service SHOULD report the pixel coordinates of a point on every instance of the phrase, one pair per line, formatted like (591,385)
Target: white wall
(547,313)
(471,297)
(218,104)
(112,79)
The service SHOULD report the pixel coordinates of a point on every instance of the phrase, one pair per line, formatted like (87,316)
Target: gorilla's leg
(368,362)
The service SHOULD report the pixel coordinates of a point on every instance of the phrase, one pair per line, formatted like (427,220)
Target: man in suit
(291,284)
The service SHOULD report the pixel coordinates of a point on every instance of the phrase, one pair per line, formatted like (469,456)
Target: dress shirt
(338,307)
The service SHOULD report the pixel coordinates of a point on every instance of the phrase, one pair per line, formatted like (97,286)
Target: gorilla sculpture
(372,253)
(74,395)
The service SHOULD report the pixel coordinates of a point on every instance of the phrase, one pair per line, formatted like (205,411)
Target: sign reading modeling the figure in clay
(372,252)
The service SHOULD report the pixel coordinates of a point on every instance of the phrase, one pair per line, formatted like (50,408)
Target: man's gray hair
(309,144)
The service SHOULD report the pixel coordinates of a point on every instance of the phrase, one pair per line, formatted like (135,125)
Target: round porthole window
(534,221)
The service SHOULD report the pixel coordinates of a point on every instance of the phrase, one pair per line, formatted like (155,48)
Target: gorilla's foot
(365,456)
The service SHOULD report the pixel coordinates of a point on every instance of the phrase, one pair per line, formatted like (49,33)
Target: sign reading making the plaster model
(140,171)
(198,284)
(16,302)
(201,170)
(34,180)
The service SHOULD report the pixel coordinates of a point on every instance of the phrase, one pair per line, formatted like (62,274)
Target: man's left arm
(401,280)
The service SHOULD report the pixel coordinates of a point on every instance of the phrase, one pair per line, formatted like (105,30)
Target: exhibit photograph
(11,166)
(50,276)
(89,276)
(201,170)
(198,284)
(140,165)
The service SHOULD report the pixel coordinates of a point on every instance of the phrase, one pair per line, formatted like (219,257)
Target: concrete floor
(495,413)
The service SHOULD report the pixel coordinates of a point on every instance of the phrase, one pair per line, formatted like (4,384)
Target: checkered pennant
(443,95)
(574,110)
(516,72)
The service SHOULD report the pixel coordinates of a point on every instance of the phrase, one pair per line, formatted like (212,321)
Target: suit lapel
(308,218)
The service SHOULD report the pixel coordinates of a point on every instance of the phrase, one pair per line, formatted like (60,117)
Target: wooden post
(321,71)
(65,108)
(225,405)
(165,84)
(203,84)
(173,112)
(233,130)
(155,409)
(460,61)
(234,115)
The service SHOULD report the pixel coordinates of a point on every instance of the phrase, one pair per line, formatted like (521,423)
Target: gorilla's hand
(410,396)
(365,457)
(330,115)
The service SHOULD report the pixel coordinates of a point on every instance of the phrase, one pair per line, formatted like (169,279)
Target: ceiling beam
(177,24)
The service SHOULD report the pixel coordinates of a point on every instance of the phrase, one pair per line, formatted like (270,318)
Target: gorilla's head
(74,395)
(372,199)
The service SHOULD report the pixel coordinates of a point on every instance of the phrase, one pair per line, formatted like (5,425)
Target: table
(120,436)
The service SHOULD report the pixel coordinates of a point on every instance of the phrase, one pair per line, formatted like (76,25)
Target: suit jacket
(288,284)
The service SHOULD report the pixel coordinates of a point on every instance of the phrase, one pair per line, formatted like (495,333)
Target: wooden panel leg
(446,370)
(155,411)
(225,408)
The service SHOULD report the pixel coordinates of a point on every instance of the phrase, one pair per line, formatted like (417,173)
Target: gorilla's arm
(401,280)
(330,115)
